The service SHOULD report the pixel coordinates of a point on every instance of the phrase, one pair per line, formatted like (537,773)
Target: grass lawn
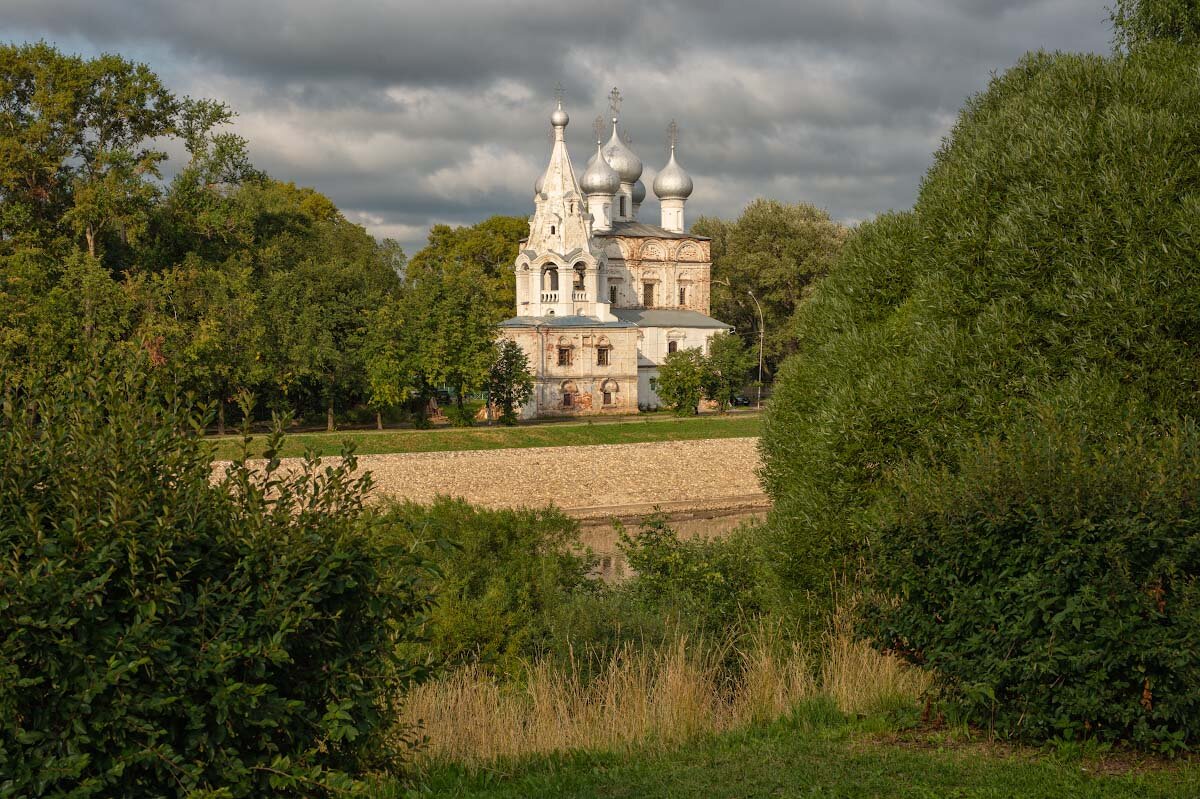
(372,442)
(817,753)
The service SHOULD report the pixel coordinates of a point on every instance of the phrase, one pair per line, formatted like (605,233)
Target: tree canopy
(1029,327)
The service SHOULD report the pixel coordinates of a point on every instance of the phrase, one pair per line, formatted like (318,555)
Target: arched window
(579,272)
(550,279)
(622,205)
(683,295)
(603,350)
(569,393)
(608,390)
(552,230)
(672,346)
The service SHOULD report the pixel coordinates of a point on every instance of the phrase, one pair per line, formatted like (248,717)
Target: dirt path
(589,482)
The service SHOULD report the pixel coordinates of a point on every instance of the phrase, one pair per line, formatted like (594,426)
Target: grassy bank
(371,442)
(816,751)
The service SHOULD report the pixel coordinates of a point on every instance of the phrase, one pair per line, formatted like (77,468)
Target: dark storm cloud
(419,112)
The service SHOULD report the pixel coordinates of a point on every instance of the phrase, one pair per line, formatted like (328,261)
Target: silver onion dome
(599,177)
(537,184)
(639,193)
(672,183)
(559,118)
(621,158)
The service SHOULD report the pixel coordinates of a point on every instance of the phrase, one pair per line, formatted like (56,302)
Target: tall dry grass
(640,696)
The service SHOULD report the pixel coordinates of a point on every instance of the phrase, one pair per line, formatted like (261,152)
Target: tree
(990,417)
(389,360)
(776,251)
(1139,22)
(725,368)
(510,384)
(452,301)
(681,381)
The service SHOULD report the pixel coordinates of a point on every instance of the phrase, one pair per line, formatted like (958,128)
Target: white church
(602,297)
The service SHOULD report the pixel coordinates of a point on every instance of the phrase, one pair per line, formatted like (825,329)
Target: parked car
(741,401)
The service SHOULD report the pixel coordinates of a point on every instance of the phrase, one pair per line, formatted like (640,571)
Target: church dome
(621,158)
(639,193)
(599,177)
(537,184)
(559,118)
(672,183)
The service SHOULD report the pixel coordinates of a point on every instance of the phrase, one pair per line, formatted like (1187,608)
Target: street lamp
(761,333)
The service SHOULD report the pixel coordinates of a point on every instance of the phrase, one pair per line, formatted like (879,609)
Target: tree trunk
(221,417)
(378,420)
(329,418)
(91,241)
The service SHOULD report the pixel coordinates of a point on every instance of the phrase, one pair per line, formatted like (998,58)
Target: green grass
(541,435)
(816,753)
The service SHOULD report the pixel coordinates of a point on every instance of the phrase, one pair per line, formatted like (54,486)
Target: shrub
(1051,580)
(706,584)
(1051,265)
(165,631)
(505,575)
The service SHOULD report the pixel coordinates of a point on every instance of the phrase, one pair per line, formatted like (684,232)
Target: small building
(603,297)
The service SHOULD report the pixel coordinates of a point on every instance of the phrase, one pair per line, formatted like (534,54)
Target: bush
(1051,581)
(707,585)
(1051,266)
(163,632)
(506,574)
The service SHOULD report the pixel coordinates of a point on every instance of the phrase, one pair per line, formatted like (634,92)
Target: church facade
(603,297)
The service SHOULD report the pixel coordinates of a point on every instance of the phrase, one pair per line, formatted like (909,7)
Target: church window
(607,397)
(648,295)
(564,356)
(602,356)
(612,294)
(567,400)
(672,346)
(579,277)
(682,295)
(622,206)
(550,282)
(552,230)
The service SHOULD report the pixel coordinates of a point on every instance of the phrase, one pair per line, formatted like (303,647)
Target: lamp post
(761,333)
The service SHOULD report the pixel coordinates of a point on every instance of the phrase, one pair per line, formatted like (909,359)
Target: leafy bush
(1051,580)
(506,573)
(706,584)
(165,631)
(1050,267)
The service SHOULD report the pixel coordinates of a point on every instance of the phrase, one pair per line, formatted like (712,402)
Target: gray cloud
(412,113)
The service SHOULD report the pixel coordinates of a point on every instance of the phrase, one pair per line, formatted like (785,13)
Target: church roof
(644,230)
(667,317)
(561,321)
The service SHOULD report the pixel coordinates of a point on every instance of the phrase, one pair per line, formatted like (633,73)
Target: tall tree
(777,252)
(680,382)
(510,383)
(725,368)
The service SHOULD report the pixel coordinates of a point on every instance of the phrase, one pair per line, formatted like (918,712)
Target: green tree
(389,361)
(453,299)
(974,371)
(725,368)
(1139,22)
(680,382)
(778,252)
(510,383)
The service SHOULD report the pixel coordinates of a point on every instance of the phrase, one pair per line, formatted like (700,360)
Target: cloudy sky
(411,112)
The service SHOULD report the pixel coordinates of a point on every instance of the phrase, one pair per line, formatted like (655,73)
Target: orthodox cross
(672,134)
(614,102)
(625,137)
(558,93)
(598,126)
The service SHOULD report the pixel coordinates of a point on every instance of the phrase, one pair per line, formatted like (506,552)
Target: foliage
(706,583)
(505,573)
(1139,22)
(725,369)
(453,299)
(165,633)
(681,381)
(775,252)
(1051,581)
(510,385)
(1050,267)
